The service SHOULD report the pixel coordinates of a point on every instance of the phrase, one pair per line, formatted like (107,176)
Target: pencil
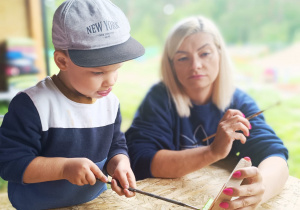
(248,118)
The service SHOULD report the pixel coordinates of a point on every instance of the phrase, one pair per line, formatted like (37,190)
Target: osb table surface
(194,189)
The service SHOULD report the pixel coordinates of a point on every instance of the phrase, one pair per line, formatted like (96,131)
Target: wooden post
(35,23)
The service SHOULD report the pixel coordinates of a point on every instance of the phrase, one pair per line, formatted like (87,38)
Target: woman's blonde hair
(223,87)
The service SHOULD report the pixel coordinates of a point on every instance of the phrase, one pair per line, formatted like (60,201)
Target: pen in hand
(248,118)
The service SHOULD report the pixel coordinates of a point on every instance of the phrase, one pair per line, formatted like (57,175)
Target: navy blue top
(157,126)
(41,121)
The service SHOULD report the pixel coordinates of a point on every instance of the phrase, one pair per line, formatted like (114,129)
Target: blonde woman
(195,99)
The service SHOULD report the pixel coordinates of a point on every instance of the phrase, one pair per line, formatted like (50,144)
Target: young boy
(61,135)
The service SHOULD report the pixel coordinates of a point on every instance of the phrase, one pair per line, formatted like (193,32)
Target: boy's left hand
(123,173)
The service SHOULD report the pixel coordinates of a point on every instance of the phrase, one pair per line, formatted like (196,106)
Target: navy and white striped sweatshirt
(41,121)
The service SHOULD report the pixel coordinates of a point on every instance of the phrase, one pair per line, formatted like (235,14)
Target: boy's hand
(81,171)
(122,172)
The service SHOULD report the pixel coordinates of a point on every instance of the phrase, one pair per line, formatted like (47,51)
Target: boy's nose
(110,80)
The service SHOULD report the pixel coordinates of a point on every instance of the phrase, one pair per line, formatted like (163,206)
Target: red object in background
(11,71)
(20,70)
(270,75)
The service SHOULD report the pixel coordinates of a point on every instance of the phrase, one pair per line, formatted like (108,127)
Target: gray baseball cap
(95,33)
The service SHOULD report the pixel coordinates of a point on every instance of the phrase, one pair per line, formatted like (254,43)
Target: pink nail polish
(247,158)
(228,191)
(250,126)
(247,134)
(243,114)
(237,174)
(224,205)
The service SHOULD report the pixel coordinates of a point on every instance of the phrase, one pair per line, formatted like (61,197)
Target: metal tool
(158,197)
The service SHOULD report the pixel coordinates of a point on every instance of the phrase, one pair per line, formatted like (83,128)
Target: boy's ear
(61,59)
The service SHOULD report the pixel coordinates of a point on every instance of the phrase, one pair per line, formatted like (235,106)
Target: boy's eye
(97,73)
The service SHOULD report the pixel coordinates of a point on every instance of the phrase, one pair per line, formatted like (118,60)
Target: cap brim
(128,50)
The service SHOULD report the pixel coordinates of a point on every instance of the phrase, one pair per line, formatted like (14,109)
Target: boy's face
(95,82)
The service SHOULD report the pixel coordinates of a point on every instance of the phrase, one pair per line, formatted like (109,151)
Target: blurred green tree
(241,22)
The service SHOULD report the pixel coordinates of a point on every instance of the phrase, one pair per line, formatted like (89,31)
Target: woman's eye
(204,54)
(182,59)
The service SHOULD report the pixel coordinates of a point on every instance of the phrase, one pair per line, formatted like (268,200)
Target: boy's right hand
(81,171)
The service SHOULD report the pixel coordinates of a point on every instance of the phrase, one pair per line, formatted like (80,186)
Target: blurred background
(263,38)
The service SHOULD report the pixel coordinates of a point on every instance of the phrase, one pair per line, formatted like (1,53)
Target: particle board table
(194,189)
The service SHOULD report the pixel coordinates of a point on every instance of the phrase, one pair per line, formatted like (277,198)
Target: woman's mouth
(197,76)
(104,92)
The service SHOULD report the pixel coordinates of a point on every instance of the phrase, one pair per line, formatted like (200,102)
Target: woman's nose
(196,63)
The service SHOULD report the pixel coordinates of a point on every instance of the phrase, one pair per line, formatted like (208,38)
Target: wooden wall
(13,19)
(23,18)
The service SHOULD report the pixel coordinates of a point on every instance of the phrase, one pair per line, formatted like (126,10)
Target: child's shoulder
(43,91)
(41,87)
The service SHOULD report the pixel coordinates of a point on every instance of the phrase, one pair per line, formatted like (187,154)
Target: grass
(3,110)
(285,120)
(136,77)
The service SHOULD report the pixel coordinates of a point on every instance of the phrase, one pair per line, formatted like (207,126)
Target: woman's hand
(250,193)
(123,173)
(232,121)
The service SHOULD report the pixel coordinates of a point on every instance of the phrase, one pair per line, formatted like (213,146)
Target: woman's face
(196,62)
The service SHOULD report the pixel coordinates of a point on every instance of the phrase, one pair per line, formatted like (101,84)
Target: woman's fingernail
(247,134)
(243,114)
(224,205)
(247,158)
(250,126)
(228,191)
(237,174)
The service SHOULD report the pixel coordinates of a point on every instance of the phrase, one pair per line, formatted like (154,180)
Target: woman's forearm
(275,172)
(174,164)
